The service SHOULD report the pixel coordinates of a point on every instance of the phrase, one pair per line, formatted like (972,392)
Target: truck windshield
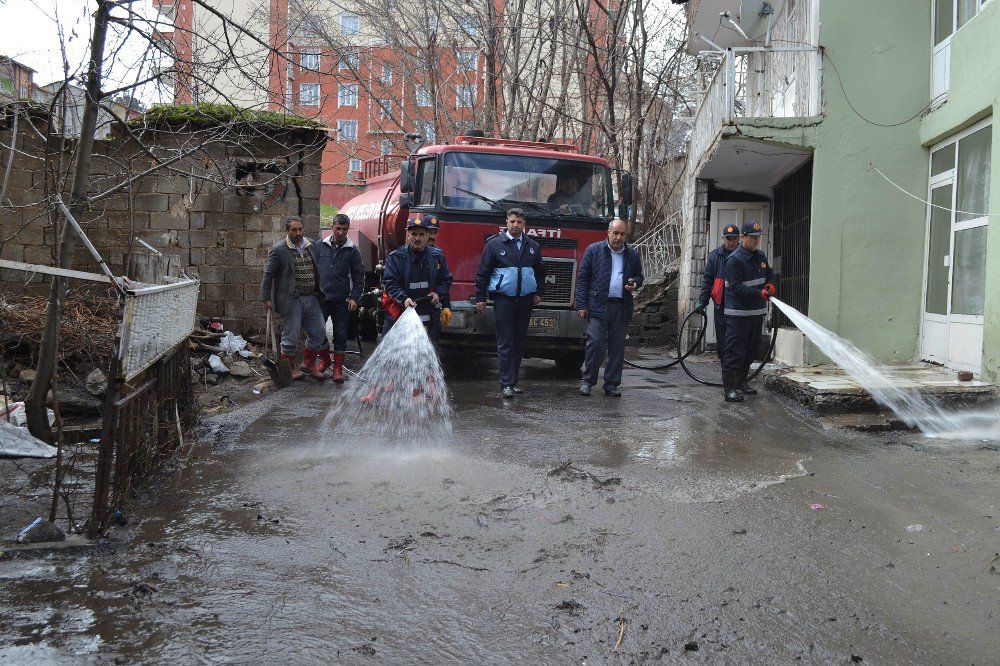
(562,187)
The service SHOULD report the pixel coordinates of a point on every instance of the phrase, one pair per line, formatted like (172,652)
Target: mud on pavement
(660,527)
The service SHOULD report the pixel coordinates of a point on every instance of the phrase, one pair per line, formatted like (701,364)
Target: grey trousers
(305,314)
(607,334)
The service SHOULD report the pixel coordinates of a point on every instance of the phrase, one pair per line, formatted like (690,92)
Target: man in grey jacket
(291,287)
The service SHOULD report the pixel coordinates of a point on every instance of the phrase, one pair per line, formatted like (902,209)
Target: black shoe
(584,388)
(746,389)
(517,389)
(612,392)
(508,392)
(732,395)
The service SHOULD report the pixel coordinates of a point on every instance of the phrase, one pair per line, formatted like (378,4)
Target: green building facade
(835,122)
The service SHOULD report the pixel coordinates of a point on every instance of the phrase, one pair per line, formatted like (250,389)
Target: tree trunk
(38,422)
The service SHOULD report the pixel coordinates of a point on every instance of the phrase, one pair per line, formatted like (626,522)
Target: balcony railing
(757,82)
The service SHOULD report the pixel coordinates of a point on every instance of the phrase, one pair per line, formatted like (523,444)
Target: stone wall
(192,208)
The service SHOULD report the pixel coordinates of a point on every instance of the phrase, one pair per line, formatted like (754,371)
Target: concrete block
(196,220)
(223,221)
(224,256)
(167,221)
(239,203)
(152,203)
(242,274)
(197,255)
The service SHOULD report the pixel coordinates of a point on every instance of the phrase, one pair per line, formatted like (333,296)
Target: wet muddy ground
(663,526)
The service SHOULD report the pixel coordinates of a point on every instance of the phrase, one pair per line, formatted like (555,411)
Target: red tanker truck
(469,185)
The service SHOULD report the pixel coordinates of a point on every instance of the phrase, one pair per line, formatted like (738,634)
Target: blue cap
(752,228)
(429,222)
(730,230)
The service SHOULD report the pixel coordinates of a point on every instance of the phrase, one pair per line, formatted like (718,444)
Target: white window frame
(467,60)
(354,164)
(950,177)
(469,26)
(345,29)
(385,108)
(423,97)
(386,75)
(347,136)
(347,95)
(309,59)
(470,96)
(349,61)
(432,24)
(385,147)
(941,53)
(313,98)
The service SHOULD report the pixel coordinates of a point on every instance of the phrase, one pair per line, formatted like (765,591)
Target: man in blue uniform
(749,285)
(512,271)
(416,276)
(713,284)
(341,279)
(609,273)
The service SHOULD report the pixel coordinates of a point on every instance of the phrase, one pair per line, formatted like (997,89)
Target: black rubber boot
(727,383)
(743,387)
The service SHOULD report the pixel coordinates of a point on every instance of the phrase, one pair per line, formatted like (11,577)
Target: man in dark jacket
(609,273)
(341,279)
(417,276)
(291,286)
(713,284)
(512,271)
(749,285)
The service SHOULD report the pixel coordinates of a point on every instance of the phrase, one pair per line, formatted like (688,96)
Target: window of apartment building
(347,94)
(353,164)
(386,77)
(385,108)
(430,136)
(432,24)
(465,96)
(309,59)
(468,61)
(386,147)
(469,26)
(350,61)
(423,95)
(958,221)
(949,16)
(309,94)
(350,24)
(347,130)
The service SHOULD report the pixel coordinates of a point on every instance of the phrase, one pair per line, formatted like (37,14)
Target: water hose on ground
(697,342)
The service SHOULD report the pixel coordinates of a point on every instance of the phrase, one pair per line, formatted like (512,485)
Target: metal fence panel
(157,319)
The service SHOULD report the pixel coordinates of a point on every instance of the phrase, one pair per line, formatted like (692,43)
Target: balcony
(757,86)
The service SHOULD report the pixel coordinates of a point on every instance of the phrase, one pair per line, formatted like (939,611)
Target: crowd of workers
(308,283)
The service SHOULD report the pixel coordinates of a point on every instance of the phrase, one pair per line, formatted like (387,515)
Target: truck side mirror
(406,176)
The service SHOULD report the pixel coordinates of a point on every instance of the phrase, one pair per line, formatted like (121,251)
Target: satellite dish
(753,16)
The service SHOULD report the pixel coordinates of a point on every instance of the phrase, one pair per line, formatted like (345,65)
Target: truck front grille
(560,276)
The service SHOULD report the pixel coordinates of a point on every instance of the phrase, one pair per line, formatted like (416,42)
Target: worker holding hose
(749,284)
(713,284)
(416,276)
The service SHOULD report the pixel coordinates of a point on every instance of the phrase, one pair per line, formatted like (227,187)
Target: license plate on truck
(543,326)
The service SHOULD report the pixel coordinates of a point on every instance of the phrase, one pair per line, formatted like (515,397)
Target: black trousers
(511,316)
(742,342)
(719,320)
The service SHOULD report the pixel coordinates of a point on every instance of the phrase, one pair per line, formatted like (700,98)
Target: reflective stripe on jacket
(746,273)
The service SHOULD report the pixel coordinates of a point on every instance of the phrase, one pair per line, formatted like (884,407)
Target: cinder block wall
(188,208)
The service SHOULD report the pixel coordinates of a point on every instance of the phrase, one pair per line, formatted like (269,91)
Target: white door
(955,284)
(734,212)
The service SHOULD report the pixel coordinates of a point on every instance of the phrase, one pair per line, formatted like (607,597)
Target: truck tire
(569,364)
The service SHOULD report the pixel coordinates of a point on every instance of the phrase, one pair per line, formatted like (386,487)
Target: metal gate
(792,223)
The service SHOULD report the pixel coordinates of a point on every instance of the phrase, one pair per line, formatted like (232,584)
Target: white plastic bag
(218,367)
(15,414)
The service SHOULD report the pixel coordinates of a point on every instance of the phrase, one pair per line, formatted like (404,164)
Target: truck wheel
(569,364)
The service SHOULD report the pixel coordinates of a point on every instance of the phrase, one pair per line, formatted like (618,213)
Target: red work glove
(764,295)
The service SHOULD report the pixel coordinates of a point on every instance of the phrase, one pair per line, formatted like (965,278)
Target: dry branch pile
(86,332)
